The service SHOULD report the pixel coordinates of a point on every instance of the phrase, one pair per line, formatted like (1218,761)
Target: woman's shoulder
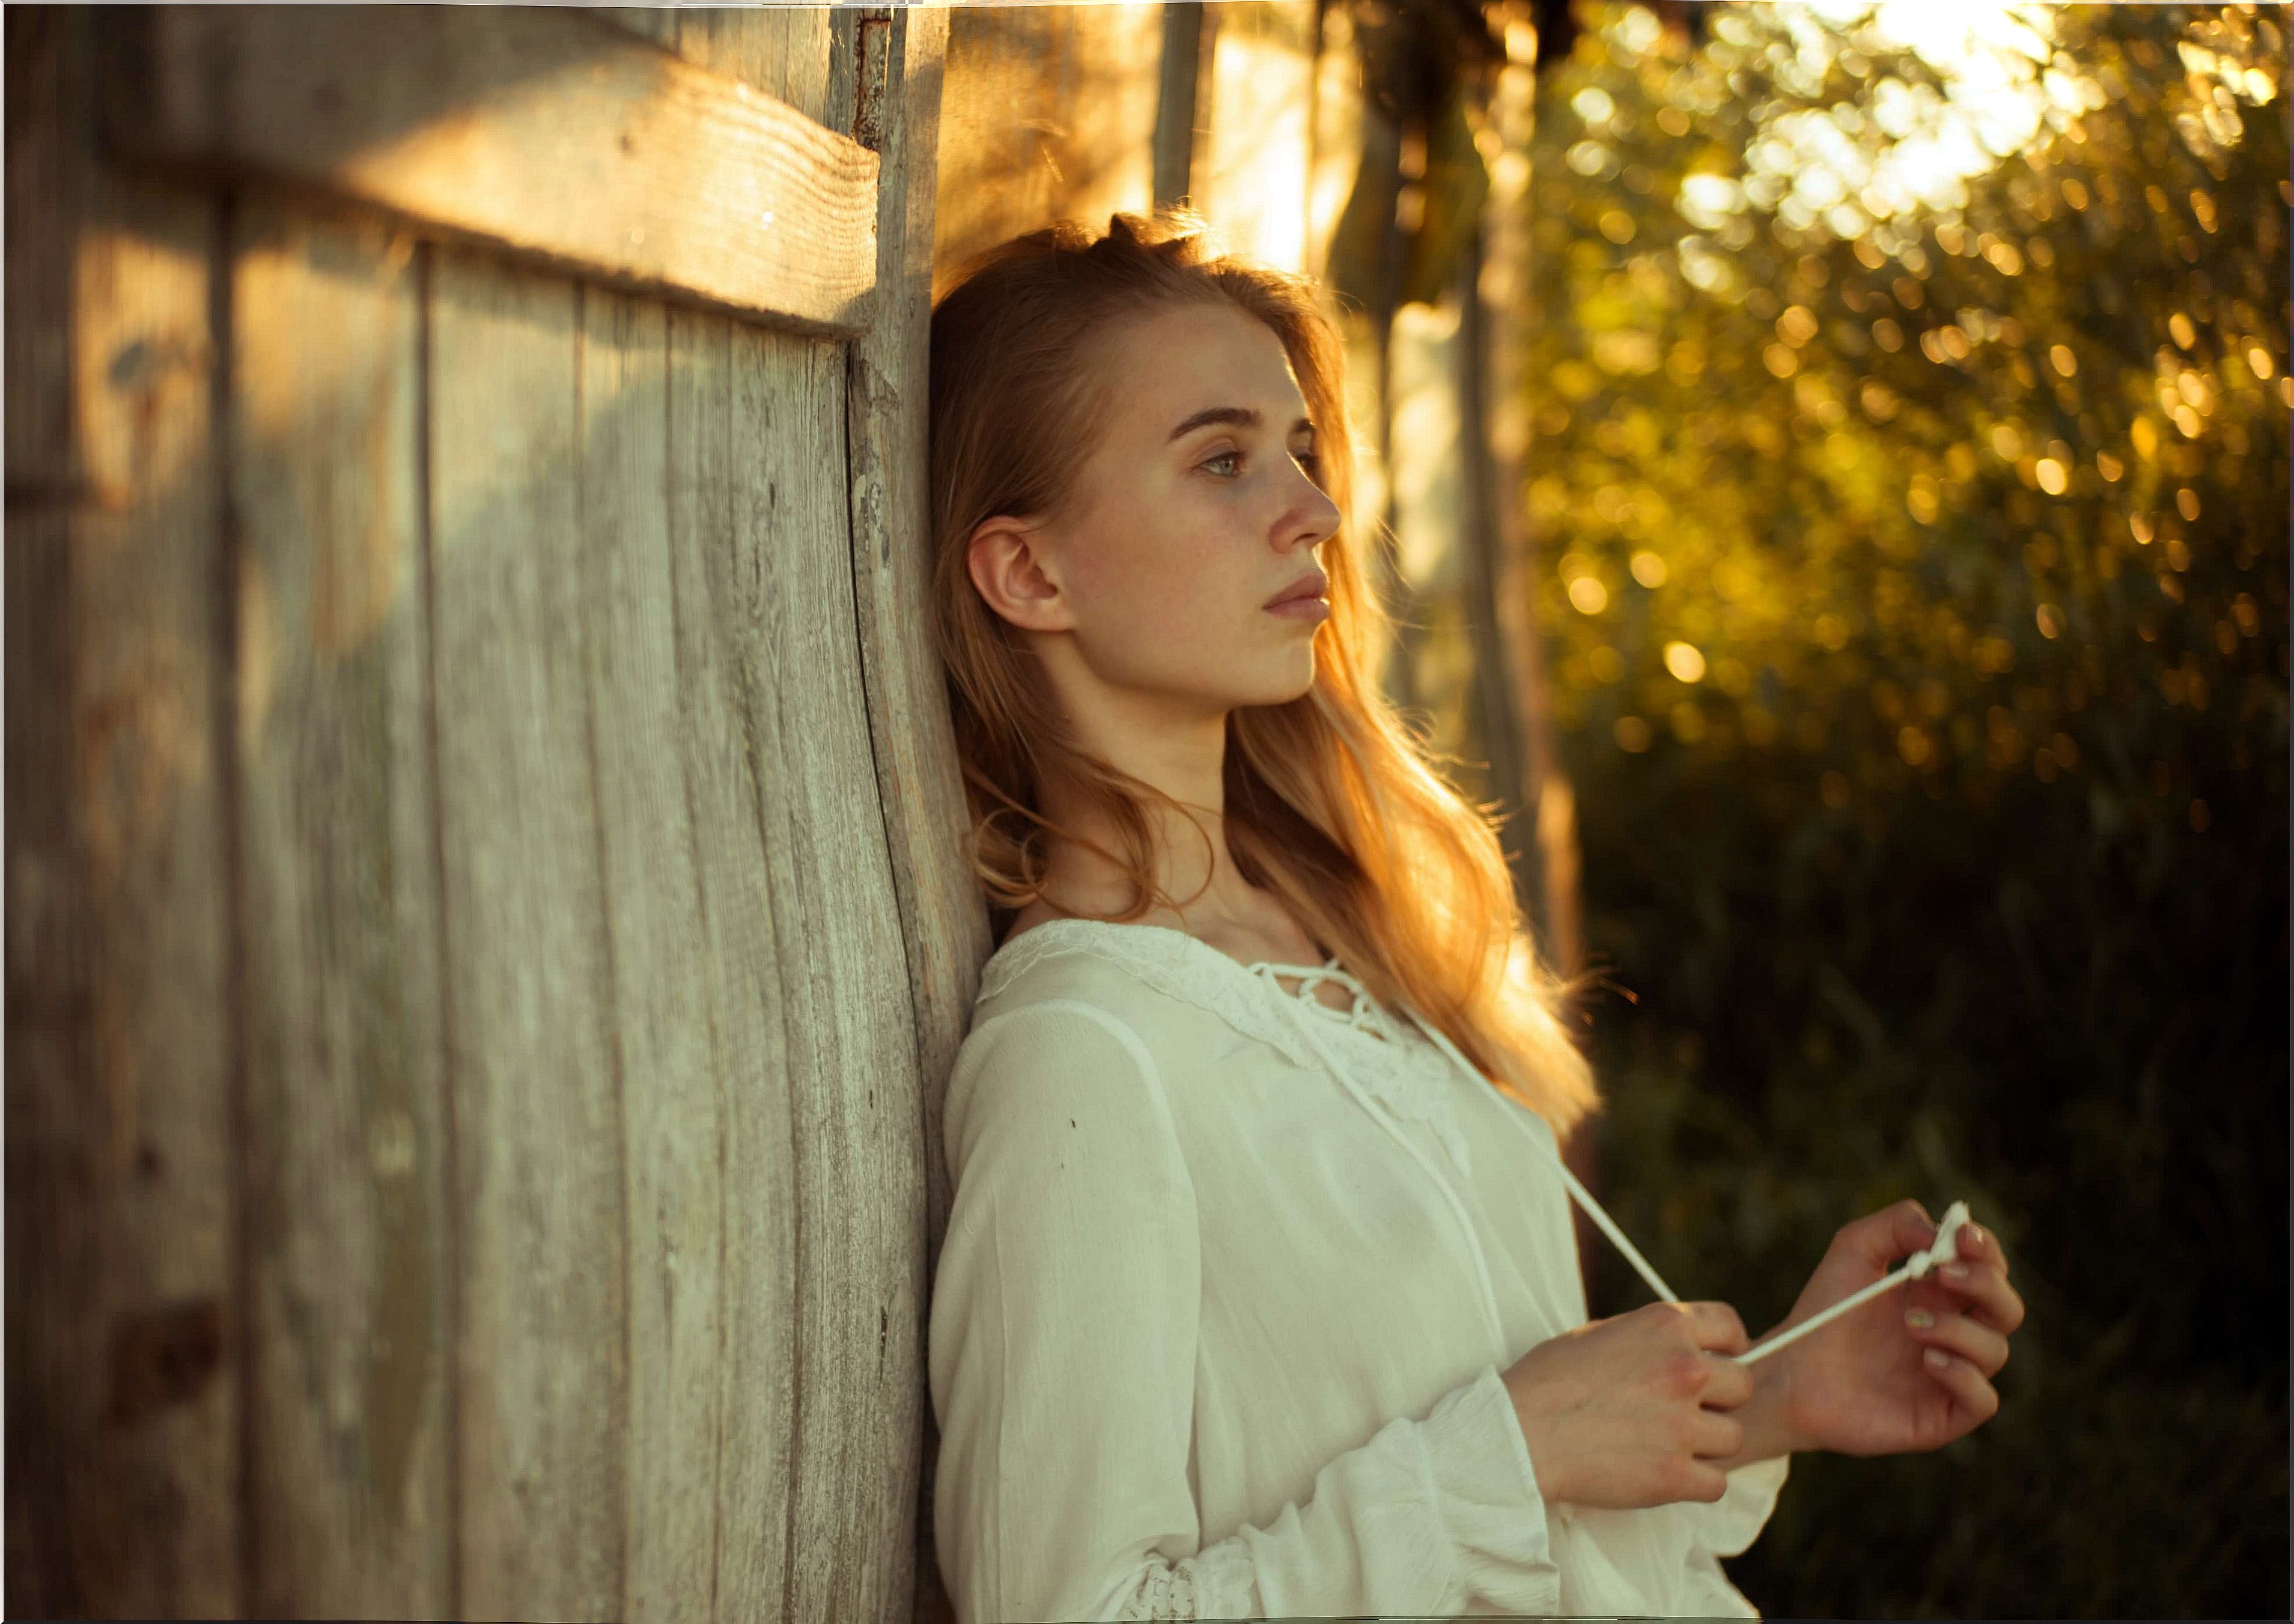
(1183,997)
(1136,973)
(1060,1022)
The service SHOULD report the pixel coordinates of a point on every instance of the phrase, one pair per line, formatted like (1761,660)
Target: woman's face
(1196,508)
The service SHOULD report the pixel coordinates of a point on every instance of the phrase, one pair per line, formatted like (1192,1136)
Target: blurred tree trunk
(1526,775)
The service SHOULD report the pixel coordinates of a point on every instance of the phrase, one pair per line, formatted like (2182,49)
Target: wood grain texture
(943,913)
(542,1282)
(855,1179)
(665,1015)
(123,1374)
(791,52)
(484,944)
(722,495)
(538,129)
(350,1231)
(1047,111)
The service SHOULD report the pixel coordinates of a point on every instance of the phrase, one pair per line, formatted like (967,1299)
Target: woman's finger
(1983,1291)
(1716,1436)
(1727,1383)
(1977,1342)
(1879,1240)
(1979,1244)
(1973,1397)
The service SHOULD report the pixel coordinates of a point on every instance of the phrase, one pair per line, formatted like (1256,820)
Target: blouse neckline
(1066,926)
(1176,961)
(1410,1079)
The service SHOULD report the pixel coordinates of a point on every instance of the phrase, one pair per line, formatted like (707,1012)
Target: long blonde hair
(1331,803)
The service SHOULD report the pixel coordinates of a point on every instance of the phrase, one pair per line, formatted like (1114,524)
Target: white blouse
(1227,1289)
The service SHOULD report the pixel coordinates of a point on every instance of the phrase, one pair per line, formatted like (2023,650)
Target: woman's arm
(1063,1354)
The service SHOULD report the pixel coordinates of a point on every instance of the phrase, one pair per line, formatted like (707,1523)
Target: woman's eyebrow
(1242,416)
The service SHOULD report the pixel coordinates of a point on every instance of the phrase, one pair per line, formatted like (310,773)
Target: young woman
(1259,1296)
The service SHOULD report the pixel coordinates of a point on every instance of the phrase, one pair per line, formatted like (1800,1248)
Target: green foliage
(1919,620)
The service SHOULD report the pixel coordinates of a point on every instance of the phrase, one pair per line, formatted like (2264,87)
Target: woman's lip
(1301,607)
(1314,583)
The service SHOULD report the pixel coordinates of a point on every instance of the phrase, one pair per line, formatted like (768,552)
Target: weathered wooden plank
(123,1394)
(663,1003)
(943,915)
(542,1360)
(351,1234)
(854,1180)
(720,422)
(1049,110)
(789,51)
(537,129)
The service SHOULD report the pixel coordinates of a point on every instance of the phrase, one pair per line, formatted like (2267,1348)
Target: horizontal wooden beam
(540,130)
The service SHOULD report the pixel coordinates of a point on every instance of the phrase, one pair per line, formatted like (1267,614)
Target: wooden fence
(486,924)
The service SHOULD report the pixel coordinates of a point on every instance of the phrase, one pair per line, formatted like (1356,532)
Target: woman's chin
(1294,683)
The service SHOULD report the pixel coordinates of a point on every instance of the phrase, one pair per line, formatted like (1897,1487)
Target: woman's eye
(1308,461)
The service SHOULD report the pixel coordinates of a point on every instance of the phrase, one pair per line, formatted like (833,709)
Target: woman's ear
(1013,575)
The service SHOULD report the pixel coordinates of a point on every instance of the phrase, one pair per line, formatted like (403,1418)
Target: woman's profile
(1259,1296)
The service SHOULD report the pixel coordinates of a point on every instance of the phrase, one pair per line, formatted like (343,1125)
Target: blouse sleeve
(1727,1527)
(1062,1358)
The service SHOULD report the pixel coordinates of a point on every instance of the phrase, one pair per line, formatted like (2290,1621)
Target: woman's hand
(1627,1412)
(1911,1369)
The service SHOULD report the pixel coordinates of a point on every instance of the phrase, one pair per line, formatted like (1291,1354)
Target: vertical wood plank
(724,486)
(943,913)
(541,1369)
(789,51)
(1048,111)
(855,1177)
(124,1396)
(669,1060)
(351,1236)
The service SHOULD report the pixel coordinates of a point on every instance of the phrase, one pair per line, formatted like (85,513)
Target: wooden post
(1543,849)
(1524,756)
(1190,33)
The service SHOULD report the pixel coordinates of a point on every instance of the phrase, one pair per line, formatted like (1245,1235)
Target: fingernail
(1975,1233)
(1953,1272)
(1938,1359)
(1918,1319)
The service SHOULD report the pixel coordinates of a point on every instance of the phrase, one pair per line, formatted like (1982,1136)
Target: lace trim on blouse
(1218,1584)
(1399,1068)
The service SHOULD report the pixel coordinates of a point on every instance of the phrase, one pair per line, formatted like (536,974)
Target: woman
(1258,1297)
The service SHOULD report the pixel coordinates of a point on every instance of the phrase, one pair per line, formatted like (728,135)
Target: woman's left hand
(1910,1371)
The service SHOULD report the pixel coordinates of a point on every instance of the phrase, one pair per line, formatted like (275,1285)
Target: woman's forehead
(1181,364)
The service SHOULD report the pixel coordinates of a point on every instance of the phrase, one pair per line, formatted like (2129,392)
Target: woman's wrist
(1767,1416)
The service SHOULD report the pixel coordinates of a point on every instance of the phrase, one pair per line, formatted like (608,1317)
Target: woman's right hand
(1625,1412)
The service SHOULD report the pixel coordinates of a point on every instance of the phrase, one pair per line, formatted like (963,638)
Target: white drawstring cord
(1306,1024)
(1583,1197)
(1942,1250)
(1945,1246)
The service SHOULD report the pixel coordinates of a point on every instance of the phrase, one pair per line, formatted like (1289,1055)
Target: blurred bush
(1910,483)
